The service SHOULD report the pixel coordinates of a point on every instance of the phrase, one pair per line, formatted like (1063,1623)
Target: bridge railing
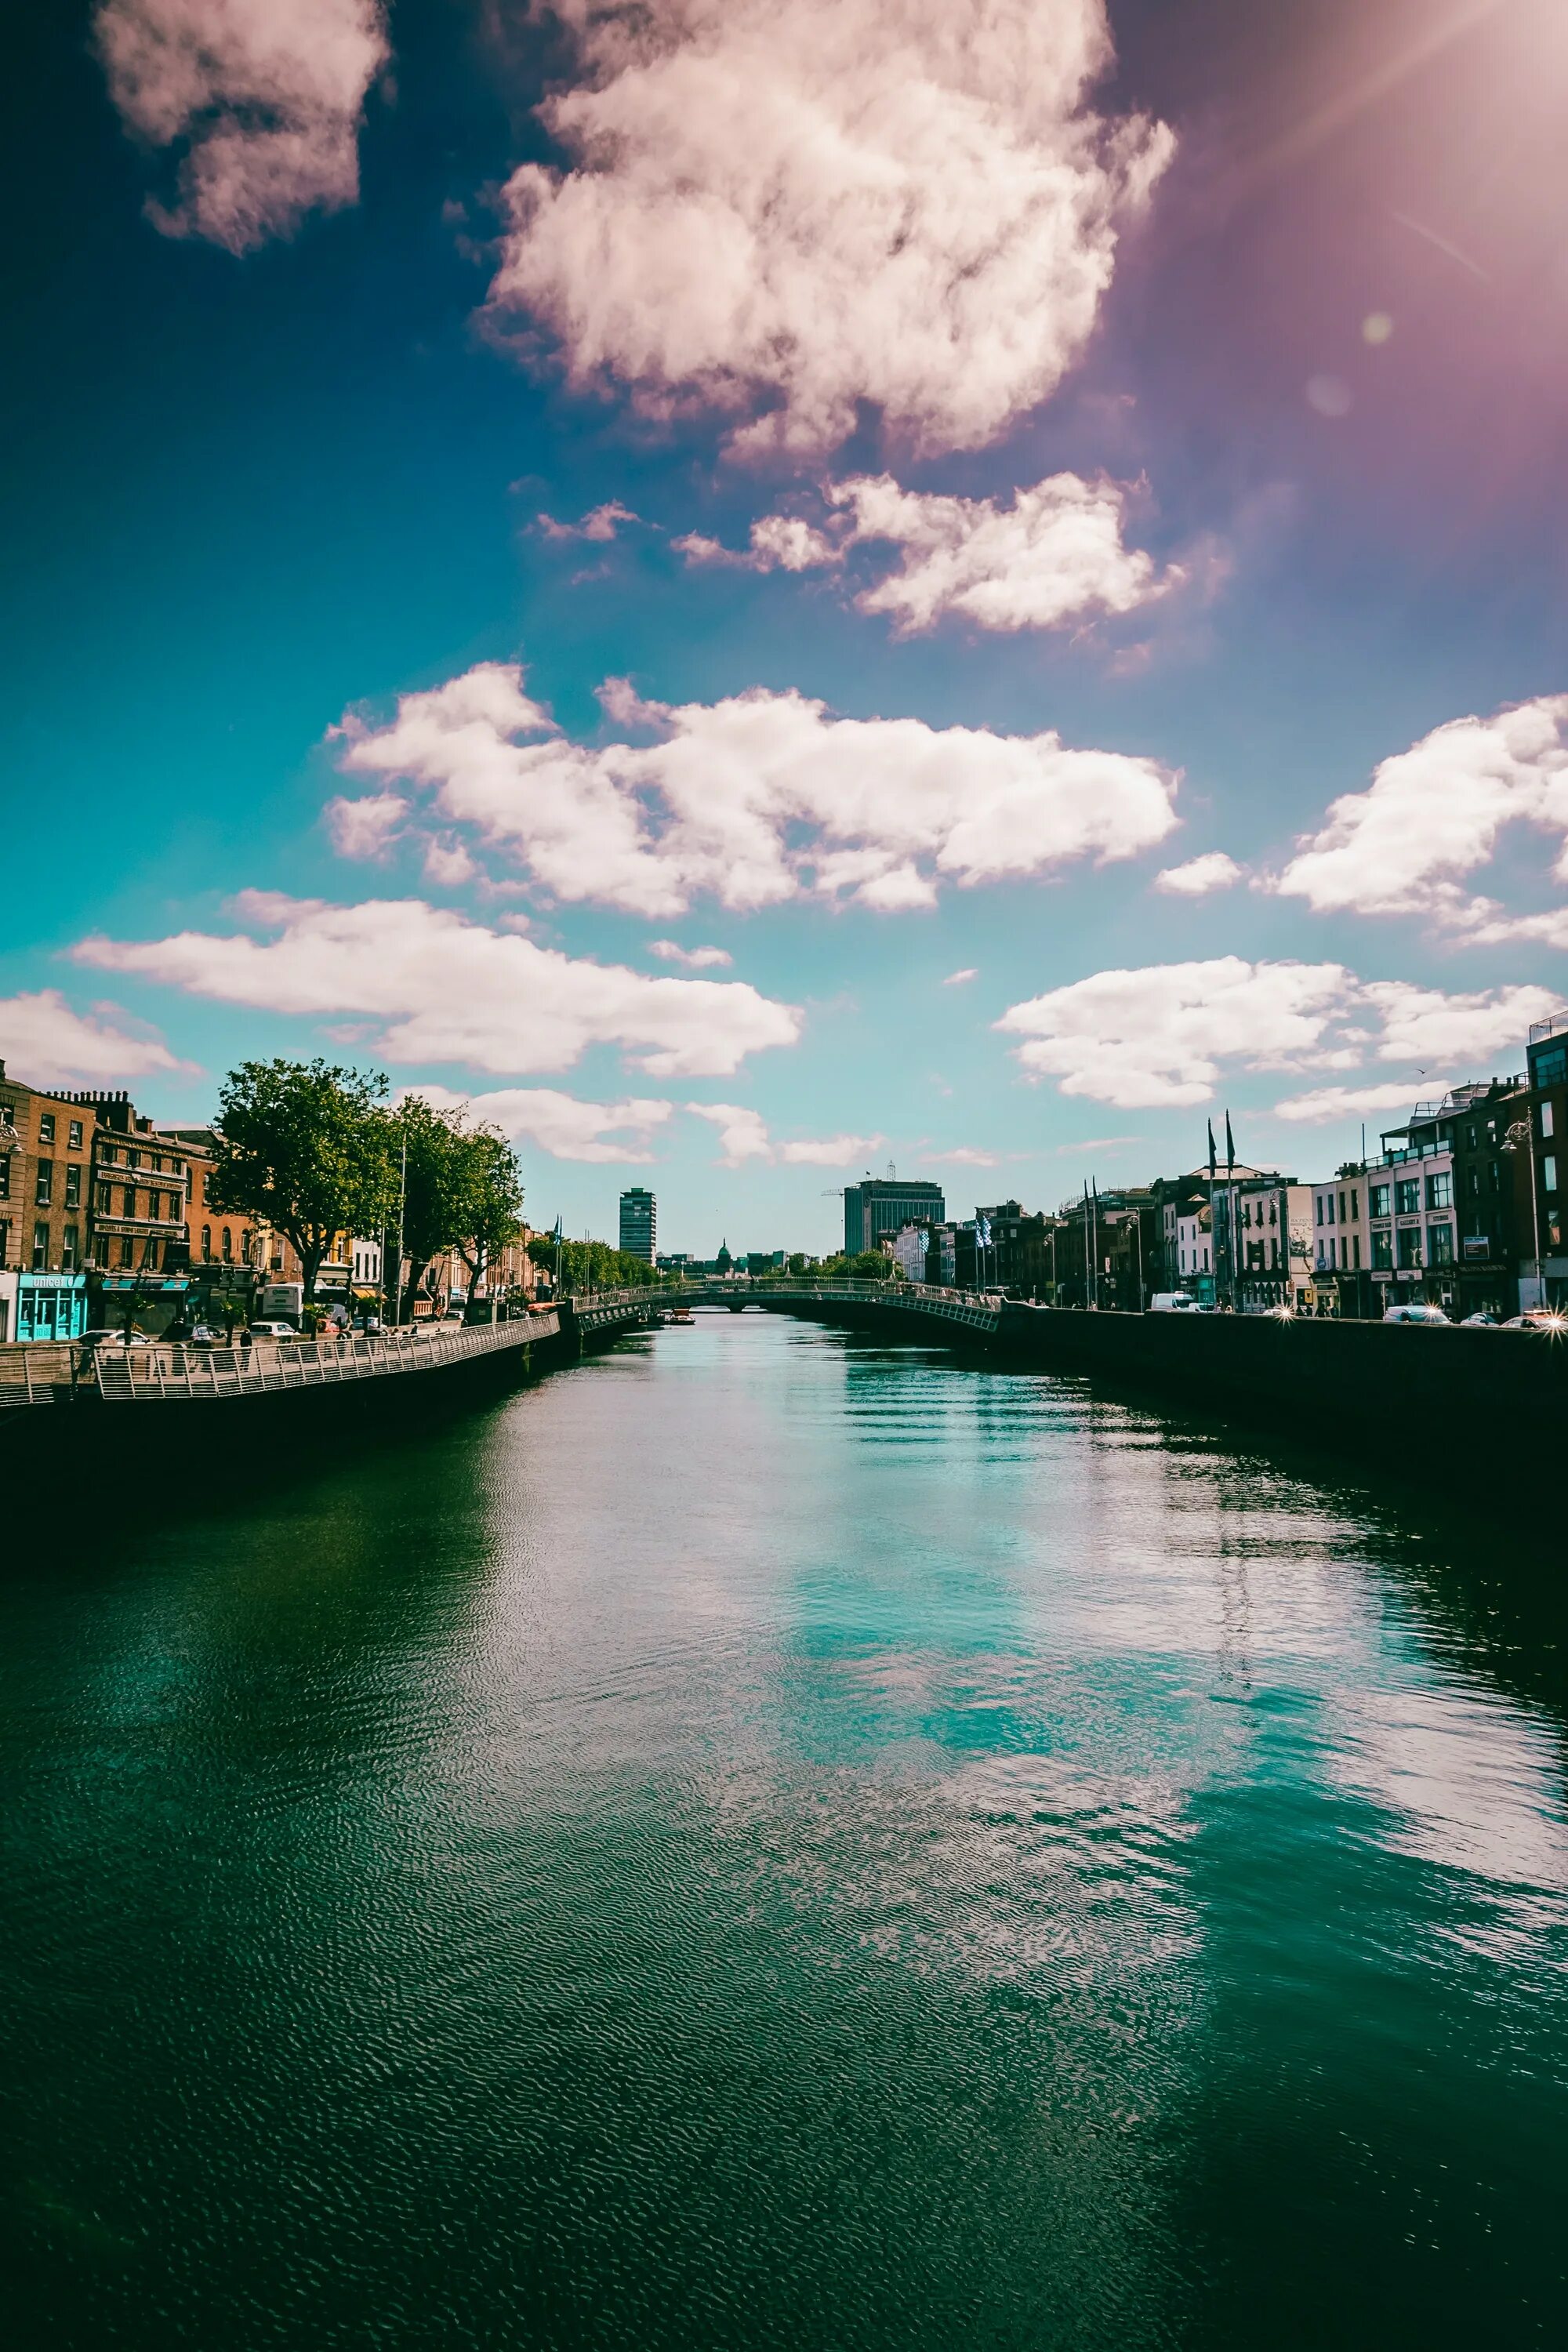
(167,1374)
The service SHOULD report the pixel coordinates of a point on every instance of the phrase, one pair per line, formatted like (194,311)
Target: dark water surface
(765,1840)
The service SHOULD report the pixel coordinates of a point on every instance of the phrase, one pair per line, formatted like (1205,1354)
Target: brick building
(46,1161)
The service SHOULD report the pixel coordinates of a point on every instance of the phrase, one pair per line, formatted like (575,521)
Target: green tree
(492,1190)
(304,1148)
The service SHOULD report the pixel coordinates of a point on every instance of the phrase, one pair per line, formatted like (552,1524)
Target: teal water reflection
(768,1840)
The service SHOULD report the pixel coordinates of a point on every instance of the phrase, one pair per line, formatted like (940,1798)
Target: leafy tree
(303,1148)
(462,1187)
(799,1264)
(492,1190)
(594,1265)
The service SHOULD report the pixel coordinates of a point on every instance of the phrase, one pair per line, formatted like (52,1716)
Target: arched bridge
(888,1305)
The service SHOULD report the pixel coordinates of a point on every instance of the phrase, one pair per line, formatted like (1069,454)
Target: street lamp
(1520,1136)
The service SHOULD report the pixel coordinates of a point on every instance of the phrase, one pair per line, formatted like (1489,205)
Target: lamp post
(1520,1136)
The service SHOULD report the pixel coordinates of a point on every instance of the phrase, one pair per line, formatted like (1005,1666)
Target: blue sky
(1297,356)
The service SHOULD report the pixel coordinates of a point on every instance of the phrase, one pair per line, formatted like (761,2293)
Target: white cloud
(267,94)
(44,1043)
(757,798)
(1158,1035)
(742,1133)
(1053,555)
(599,524)
(793,206)
(1325,1103)
(559,1123)
(1433,816)
(448,990)
(694,959)
(957,979)
(1199,875)
(365,828)
(744,1136)
(963,1156)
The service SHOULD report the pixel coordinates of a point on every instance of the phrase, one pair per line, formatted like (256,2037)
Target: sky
(761,589)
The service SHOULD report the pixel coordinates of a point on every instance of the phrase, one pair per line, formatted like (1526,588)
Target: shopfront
(51,1306)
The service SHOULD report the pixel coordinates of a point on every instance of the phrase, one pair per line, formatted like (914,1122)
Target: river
(768,1840)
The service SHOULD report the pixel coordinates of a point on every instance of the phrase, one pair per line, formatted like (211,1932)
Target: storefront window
(1409,1245)
(1382,1248)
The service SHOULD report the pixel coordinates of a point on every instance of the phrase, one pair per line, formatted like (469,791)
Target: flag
(982,1229)
(1230,1143)
(1212,1169)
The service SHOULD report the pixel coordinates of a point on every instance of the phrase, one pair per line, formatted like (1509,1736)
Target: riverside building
(875,1210)
(640,1225)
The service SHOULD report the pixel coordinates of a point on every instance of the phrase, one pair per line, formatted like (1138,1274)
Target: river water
(766,1840)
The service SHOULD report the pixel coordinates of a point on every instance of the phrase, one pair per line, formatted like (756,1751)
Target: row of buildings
(100,1209)
(1462,1207)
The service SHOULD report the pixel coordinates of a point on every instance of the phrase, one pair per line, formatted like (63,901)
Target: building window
(45,1126)
(69,1248)
(1356,1238)
(1547,1128)
(4,1175)
(1475,1182)
(105,1202)
(45,1193)
(1440,1244)
(4,1240)
(1319,1208)
(1382,1248)
(1441,1191)
(1379,1197)
(227,1245)
(130,1200)
(124,1249)
(206,1242)
(1548,1173)
(1407,1196)
(1409,1245)
(133,1159)
(73,1136)
(40,1248)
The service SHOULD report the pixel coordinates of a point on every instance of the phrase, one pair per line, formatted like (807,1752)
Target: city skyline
(736,746)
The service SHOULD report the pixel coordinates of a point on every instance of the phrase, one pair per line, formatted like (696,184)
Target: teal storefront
(51,1306)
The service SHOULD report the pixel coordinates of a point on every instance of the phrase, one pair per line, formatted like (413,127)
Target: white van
(1173,1302)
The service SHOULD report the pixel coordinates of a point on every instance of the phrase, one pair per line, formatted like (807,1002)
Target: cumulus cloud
(1052,555)
(600,524)
(1325,1103)
(694,959)
(443,989)
(1199,875)
(744,1136)
(1432,815)
(559,1123)
(963,1155)
(1160,1034)
(266,96)
(757,799)
(783,209)
(44,1043)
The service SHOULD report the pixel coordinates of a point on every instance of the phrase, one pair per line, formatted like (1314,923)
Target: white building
(909,1248)
(1341,1238)
(1264,1241)
(364,1265)
(1193,1246)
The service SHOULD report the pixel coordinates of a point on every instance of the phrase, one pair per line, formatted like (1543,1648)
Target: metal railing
(179,1374)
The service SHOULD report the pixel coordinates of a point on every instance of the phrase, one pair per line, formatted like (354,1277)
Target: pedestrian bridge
(906,1305)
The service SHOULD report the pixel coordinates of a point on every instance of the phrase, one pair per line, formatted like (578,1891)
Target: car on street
(1481,1321)
(1173,1302)
(1539,1318)
(207,1335)
(100,1339)
(1415,1313)
(281,1333)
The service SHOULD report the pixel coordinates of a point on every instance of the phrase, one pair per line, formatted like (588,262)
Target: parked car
(1482,1321)
(100,1339)
(281,1333)
(1539,1318)
(1173,1302)
(207,1335)
(1415,1313)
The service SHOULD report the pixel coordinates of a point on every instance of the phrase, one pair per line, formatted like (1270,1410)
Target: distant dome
(723,1262)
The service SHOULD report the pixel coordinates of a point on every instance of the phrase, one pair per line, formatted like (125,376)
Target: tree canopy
(463,1188)
(304,1148)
